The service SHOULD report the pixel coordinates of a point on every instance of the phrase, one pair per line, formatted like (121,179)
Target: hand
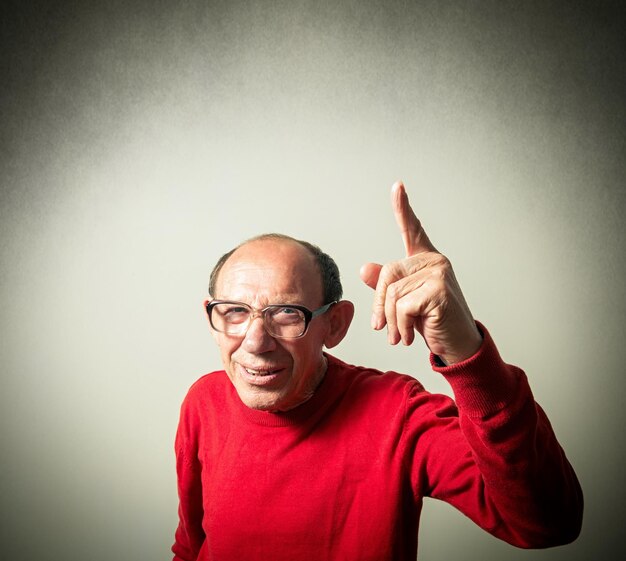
(421,293)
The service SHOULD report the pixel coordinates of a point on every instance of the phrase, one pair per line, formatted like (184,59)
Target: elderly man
(291,454)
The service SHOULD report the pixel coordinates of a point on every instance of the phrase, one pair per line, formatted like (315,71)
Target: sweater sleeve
(189,535)
(493,454)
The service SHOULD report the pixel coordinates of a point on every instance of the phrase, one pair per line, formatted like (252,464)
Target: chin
(261,403)
(261,406)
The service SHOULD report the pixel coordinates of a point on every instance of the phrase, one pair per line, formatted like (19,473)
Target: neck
(310,391)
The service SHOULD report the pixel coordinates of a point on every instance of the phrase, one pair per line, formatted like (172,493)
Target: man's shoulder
(375,398)
(208,385)
(371,380)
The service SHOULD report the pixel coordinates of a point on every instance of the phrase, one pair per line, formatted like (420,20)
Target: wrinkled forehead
(264,272)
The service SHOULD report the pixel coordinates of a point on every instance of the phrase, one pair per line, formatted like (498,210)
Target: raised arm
(492,454)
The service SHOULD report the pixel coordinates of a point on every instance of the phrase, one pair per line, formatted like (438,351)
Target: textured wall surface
(141,140)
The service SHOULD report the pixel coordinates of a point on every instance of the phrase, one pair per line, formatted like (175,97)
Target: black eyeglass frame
(308,315)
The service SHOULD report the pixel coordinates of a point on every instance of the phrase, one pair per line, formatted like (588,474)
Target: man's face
(269,373)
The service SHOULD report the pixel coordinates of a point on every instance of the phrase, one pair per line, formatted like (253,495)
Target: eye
(288,311)
(235,310)
(286,315)
(232,313)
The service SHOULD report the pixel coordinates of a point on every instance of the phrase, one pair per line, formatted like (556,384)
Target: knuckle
(444,262)
(389,273)
(384,272)
(436,275)
(393,292)
(405,307)
(437,284)
(441,267)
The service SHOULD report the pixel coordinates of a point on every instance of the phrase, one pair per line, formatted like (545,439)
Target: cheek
(306,357)
(226,345)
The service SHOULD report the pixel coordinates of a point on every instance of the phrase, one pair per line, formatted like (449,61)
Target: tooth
(258,372)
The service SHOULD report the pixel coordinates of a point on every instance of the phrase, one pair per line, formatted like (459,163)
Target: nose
(257,340)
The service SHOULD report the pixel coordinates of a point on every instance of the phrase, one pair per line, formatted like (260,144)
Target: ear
(206,317)
(340,318)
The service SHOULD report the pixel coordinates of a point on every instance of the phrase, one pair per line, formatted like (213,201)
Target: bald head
(325,266)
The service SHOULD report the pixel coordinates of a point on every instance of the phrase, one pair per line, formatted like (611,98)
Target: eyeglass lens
(281,321)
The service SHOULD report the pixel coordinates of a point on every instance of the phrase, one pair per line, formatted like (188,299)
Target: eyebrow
(286,302)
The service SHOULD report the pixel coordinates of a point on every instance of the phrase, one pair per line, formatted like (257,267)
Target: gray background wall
(140,140)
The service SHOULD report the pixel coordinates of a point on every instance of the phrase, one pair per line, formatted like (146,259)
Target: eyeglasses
(284,321)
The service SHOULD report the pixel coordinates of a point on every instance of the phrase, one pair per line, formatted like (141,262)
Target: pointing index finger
(413,235)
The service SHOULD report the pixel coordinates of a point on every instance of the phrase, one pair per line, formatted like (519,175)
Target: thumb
(369,274)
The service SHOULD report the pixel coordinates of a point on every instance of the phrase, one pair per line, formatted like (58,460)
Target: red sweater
(342,477)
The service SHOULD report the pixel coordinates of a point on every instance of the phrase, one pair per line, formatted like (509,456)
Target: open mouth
(254,372)
(260,376)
